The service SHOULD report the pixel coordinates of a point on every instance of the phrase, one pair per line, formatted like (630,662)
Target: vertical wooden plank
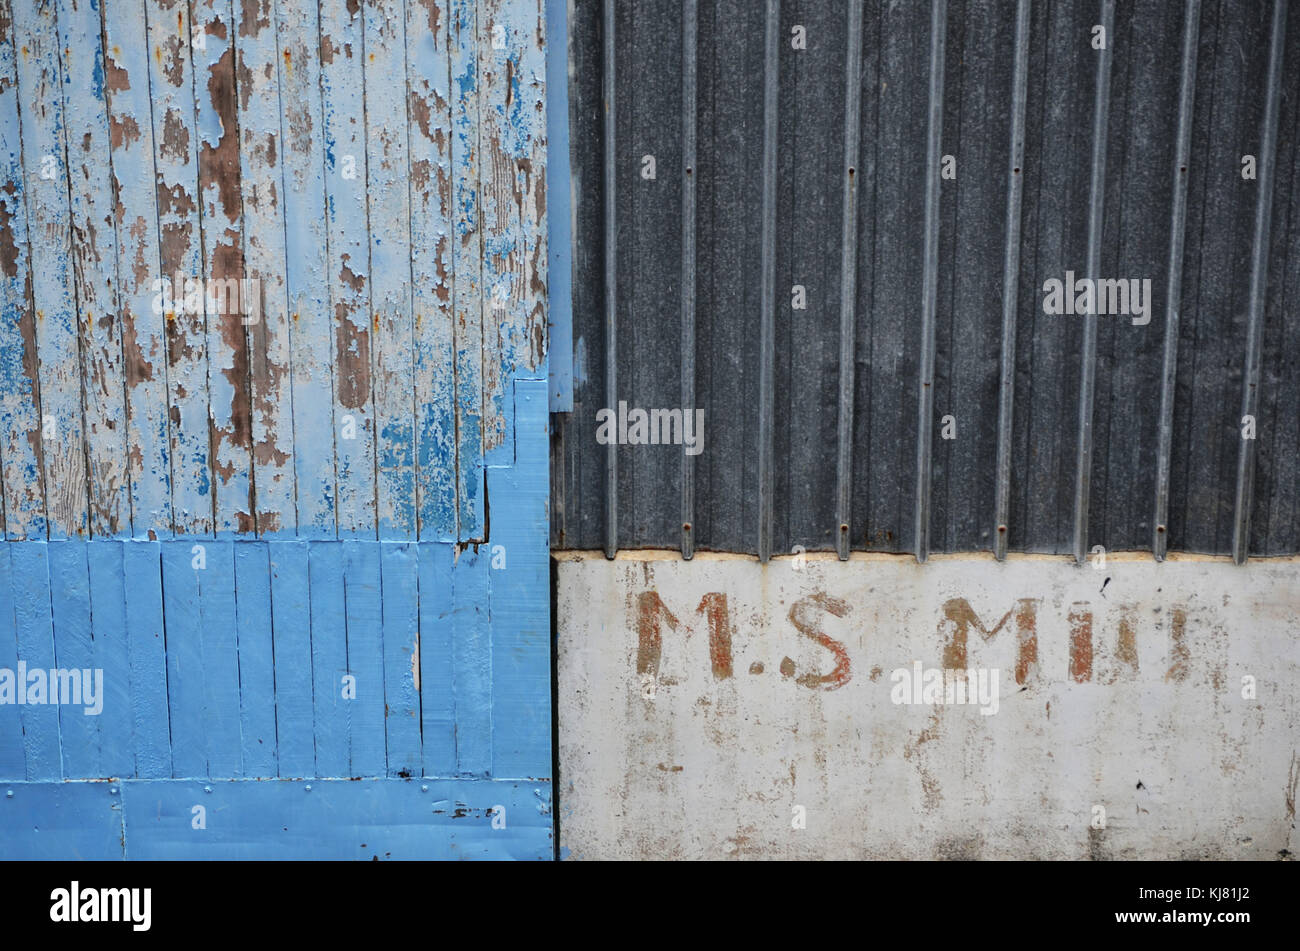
(12,764)
(212,50)
(221,694)
(308,292)
(31,593)
(471,659)
(512,204)
(437,702)
(365,654)
(256,659)
(112,655)
(388,201)
(307,285)
(341,51)
(144,328)
(183,646)
(74,649)
(94,265)
(292,654)
(467,289)
(329,658)
(520,600)
(20,426)
(400,603)
(45,173)
(428,82)
(266,316)
(146,636)
(171,89)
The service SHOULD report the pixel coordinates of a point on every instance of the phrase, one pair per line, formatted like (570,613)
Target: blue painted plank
(74,650)
(171,90)
(307,264)
(559,238)
(520,597)
(256,659)
(472,663)
(291,625)
(94,265)
(105,560)
(221,224)
(20,426)
(49,227)
(511,199)
(12,765)
(261,185)
(467,289)
(388,177)
(401,608)
(81,821)
(437,703)
(183,621)
(337,819)
(146,635)
(329,659)
(428,88)
(31,593)
(349,274)
(365,657)
(221,695)
(144,330)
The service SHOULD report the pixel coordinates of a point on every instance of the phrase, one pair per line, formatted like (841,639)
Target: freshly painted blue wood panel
(400,602)
(112,654)
(12,757)
(61,821)
(34,634)
(146,637)
(74,653)
(256,654)
(291,634)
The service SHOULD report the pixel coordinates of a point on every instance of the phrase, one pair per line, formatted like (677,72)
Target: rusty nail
(1002,528)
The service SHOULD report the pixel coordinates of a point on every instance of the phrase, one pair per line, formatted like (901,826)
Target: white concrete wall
(1131,702)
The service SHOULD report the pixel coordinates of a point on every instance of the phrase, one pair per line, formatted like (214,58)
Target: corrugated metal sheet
(818,165)
(266,521)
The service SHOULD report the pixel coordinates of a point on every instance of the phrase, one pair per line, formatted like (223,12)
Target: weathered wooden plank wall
(274,333)
(389,227)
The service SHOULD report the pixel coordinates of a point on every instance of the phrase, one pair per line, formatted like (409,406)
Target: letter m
(959,617)
(119,899)
(1112,296)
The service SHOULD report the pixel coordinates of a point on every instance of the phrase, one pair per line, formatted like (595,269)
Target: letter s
(841,674)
